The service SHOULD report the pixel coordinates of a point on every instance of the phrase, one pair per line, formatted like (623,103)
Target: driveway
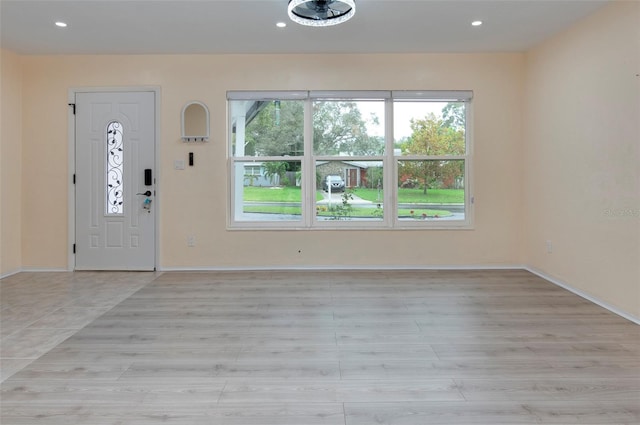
(336,198)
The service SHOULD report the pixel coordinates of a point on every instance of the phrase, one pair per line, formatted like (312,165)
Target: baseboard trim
(584,295)
(43,270)
(340,268)
(10,273)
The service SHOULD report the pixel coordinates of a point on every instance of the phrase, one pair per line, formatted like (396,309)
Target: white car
(335,182)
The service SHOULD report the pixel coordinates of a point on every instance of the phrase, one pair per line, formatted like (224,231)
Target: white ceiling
(248,26)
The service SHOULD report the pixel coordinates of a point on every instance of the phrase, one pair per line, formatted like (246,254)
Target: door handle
(147,193)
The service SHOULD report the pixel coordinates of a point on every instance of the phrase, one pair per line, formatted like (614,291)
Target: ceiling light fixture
(476,23)
(321,13)
(61,24)
(281,24)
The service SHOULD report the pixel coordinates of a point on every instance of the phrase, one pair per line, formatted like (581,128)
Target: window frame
(440,96)
(390,162)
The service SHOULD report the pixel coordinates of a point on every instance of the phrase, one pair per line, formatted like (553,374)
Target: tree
(454,115)
(277,130)
(433,137)
(275,169)
(375,178)
(339,128)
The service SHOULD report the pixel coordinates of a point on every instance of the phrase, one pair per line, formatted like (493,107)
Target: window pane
(429,128)
(268,191)
(431,190)
(348,127)
(267,127)
(114,166)
(349,190)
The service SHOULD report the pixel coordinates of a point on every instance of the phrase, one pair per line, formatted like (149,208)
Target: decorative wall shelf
(195,122)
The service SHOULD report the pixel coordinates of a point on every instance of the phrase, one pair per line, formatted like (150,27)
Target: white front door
(115,181)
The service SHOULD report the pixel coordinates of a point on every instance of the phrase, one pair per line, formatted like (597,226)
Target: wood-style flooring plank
(449,412)
(583,388)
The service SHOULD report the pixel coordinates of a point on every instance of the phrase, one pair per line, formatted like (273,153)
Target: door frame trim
(71,166)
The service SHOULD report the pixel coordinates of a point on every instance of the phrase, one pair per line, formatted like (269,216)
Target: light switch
(178,164)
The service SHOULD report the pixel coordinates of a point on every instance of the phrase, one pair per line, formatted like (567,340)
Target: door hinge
(74,248)
(73,105)
(74,179)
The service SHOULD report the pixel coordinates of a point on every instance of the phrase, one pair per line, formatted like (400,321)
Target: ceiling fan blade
(322,10)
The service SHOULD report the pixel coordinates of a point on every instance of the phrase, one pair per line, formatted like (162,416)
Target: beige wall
(193,201)
(582,156)
(10,163)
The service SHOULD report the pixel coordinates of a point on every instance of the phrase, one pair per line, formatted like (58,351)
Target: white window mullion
(238,173)
(260,159)
(349,158)
(350,95)
(440,95)
(432,157)
(308,168)
(389,167)
(267,95)
(468,165)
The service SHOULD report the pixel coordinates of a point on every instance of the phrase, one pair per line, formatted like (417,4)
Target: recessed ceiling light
(281,25)
(476,23)
(61,24)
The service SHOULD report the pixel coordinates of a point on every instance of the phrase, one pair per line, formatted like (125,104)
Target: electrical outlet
(191,241)
(549,247)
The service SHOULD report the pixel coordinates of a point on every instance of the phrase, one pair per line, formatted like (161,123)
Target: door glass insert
(115,158)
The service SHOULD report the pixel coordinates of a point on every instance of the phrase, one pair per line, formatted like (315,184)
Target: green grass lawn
(275,194)
(416,196)
(405,196)
(417,214)
(294,195)
(272,194)
(356,212)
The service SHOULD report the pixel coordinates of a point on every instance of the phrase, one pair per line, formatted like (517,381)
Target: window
(114,170)
(365,159)
(430,137)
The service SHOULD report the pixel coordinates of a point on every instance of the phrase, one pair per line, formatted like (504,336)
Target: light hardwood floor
(321,347)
